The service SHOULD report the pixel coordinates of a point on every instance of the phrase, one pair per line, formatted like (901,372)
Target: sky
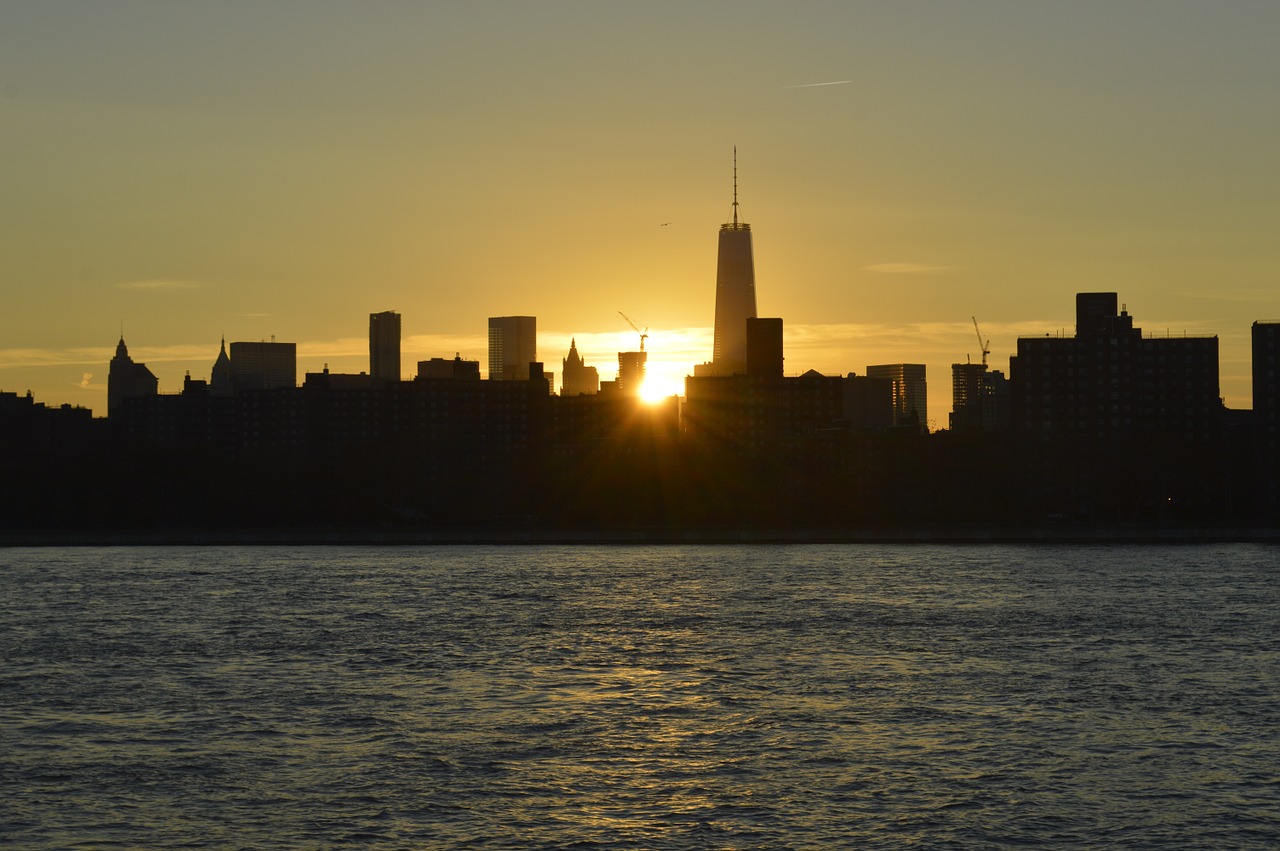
(259,170)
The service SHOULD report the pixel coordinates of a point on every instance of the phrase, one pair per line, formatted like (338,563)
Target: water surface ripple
(640,697)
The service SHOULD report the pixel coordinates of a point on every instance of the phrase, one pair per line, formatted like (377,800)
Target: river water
(640,697)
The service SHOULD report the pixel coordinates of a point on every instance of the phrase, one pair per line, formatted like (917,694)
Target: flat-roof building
(513,345)
(910,392)
(1108,381)
(384,346)
(264,365)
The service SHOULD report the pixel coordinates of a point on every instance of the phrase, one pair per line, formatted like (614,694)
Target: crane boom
(985,345)
(643,334)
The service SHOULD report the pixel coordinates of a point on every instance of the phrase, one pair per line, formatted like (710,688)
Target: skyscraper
(127,380)
(513,345)
(384,346)
(735,291)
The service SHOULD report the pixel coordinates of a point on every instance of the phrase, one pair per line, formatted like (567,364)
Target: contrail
(811,85)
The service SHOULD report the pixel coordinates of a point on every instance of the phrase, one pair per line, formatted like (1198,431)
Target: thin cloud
(344,347)
(815,85)
(904,268)
(1238,295)
(18,358)
(466,346)
(101,355)
(160,284)
(413,347)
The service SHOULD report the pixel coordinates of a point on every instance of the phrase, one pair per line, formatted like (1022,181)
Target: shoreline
(603,537)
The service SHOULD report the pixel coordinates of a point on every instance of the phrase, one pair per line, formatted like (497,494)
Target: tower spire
(735,291)
(735,186)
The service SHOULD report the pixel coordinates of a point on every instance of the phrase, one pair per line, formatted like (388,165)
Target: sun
(658,386)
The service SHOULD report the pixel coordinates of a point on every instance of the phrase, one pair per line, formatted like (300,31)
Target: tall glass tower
(384,346)
(513,345)
(735,291)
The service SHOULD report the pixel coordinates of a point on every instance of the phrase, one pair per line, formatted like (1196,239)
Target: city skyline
(284,171)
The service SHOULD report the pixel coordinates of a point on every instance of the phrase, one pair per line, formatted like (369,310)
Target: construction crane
(985,345)
(643,334)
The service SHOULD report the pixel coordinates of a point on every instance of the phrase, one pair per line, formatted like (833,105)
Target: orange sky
(284,169)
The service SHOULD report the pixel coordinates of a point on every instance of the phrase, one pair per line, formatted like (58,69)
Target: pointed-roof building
(127,380)
(576,378)
(220,376)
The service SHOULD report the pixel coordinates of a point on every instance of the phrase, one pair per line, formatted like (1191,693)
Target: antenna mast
(735,187)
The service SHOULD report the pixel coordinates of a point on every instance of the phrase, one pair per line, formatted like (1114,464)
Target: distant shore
(391,536)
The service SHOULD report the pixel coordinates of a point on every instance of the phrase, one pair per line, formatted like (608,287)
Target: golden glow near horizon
(661,385)
(287,169)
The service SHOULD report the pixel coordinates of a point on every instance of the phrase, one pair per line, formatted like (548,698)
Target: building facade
(764,347)
(1109,382)
(513,345)
(979,399)
(910,393)
(1266,415)
(384,346)
(631,372)
(264,365)
(456,369)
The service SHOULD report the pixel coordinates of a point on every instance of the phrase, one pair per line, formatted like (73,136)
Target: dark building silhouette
(513,345)
(1109,382)
(264,365)
(735,292)
(127,380)
(576,378)
(221,379)
(456,368)
(1095,312)
(197,418)
(27,425)
(631,372)
(1110,431)
(340,380)
(1266,415)
(55,461)
(979,399)
(910,393)
(384,346)
(868,403)
(764,347)
(754,412)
